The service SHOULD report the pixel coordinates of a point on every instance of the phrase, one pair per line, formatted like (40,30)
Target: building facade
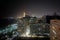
(55,29)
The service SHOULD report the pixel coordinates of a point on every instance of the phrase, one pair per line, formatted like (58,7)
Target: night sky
(15,8)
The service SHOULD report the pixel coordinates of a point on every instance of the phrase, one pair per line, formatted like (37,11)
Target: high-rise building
(54,22)
(55,29)
(24,14)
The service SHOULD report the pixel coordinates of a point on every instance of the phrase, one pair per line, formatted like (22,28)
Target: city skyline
(30,20)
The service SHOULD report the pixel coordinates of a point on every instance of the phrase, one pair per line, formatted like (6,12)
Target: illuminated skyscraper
(24,14)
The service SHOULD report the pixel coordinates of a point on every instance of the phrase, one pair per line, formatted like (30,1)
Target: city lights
(31,27)
(9,29)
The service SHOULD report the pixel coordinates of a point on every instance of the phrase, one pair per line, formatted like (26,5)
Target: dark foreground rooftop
(30,38)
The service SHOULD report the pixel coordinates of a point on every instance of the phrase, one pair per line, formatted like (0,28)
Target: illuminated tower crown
(24,14)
